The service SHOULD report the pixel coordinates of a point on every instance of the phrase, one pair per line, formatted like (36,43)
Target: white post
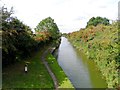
(26,69)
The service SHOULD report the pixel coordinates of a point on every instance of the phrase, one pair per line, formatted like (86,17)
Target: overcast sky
(70,15)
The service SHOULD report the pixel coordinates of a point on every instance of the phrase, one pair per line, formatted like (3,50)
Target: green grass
(63,81)
(37,76)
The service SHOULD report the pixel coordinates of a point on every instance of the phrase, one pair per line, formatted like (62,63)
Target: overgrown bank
(100,44)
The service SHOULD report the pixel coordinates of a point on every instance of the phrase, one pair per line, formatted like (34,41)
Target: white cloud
(70,15)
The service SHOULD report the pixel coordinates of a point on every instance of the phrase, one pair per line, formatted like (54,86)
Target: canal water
(82,73)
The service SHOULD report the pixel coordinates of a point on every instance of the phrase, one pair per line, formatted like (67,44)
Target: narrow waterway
(82,73)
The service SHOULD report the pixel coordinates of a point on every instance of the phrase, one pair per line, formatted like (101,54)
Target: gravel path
(48,68)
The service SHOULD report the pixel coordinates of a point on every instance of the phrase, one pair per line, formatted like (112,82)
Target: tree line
(19,41)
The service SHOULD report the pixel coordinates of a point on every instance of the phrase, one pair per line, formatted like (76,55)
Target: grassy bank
(63,80)
(100,44)
(37,76)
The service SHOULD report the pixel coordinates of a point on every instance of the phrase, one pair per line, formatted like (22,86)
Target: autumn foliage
(100,43)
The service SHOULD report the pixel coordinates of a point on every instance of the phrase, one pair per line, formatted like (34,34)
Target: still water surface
(82,73)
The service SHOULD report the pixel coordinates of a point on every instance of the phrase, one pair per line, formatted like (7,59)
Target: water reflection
(78,70)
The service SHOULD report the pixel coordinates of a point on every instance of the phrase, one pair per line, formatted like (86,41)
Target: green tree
(17,39)
(98,20)
(6,15)
(48,25)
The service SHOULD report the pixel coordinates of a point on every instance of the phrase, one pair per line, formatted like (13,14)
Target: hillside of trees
(100,42)
(18,40)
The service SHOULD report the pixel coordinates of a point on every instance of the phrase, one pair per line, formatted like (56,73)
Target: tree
(98,20)
(17,39)
(48,25)
(6,15)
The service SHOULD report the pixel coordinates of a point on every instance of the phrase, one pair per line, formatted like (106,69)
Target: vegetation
(100,44)
(18,48)
(37,76)
(98,41)
(63,81)
(98,20)
(19,41)
(48,25)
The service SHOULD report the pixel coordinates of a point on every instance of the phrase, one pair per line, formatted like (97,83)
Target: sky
(69,15)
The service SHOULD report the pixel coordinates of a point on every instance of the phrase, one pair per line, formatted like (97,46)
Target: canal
(82,73)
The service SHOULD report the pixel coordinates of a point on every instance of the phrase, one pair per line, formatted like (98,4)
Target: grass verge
(63,81)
